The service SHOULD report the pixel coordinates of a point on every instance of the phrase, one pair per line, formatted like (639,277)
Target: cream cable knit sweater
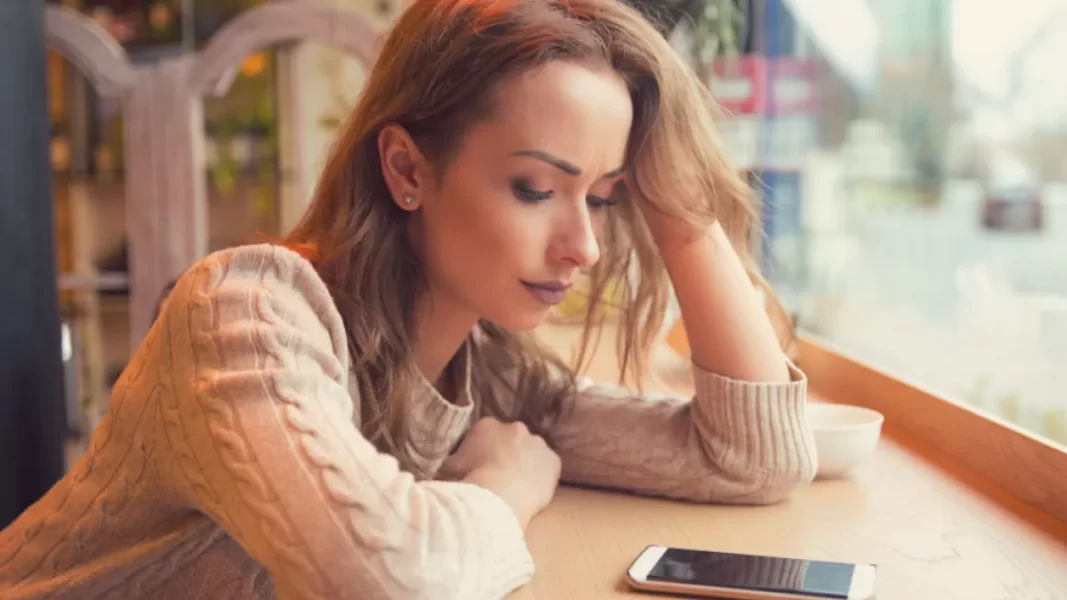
(229,466)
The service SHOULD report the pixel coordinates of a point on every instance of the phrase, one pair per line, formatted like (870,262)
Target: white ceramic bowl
(845,436)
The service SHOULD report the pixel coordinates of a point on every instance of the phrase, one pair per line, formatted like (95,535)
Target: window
(241,139)
(915,186)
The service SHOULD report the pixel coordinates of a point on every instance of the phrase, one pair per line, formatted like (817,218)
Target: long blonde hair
(435,75)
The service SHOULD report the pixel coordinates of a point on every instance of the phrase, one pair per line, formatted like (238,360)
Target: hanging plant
(245,141)
(715,27)
(718,28)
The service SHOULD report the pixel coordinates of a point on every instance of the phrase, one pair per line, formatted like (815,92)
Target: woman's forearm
(728,328)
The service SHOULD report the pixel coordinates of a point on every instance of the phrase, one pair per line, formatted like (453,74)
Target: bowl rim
(877,418)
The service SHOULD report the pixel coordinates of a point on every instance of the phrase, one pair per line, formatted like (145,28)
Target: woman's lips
(547,292)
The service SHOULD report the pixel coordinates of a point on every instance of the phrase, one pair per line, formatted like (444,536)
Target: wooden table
(936,530)
(932,535)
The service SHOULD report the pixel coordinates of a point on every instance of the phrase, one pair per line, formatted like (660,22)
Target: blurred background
(911,157)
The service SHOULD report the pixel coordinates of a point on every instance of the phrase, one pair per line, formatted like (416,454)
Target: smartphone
(748,577)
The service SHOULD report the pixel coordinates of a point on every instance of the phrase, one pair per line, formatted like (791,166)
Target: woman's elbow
(774,482)
(759,482)
(778,486)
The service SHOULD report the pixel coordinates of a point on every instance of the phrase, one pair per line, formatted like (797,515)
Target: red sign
(737,84)
(754,85)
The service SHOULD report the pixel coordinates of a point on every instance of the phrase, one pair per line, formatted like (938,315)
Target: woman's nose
(576,242)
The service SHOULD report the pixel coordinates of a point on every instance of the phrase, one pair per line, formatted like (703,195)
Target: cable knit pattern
(229,464)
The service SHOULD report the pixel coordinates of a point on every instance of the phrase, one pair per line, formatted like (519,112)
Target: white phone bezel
(862,587)
(864,579)
(642,566)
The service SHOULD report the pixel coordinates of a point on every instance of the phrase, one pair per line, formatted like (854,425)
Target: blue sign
(782,258)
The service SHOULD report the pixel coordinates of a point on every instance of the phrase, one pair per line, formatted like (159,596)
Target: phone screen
(746,572)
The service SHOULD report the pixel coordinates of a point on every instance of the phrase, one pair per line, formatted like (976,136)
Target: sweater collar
(437,425)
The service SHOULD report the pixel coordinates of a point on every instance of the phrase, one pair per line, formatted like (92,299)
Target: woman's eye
(525,191)
(599,202)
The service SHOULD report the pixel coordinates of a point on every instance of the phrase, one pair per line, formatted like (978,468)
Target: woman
(357,413)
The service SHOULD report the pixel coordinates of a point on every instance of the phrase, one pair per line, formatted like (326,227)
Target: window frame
(1030,468)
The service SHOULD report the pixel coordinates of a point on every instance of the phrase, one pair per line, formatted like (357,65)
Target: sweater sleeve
(734,442)
(260,422)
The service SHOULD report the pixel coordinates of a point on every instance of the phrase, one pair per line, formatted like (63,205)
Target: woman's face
(519,208)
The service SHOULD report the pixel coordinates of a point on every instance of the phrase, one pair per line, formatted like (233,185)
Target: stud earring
(409,200)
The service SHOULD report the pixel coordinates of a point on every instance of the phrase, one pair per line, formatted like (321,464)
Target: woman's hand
(508,460)
(669,231)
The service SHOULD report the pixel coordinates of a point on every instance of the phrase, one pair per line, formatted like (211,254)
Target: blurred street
(930,295)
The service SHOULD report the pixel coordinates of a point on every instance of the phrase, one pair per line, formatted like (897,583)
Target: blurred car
(1013,202)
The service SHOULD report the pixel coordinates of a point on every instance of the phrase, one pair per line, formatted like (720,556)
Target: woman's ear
(405,169)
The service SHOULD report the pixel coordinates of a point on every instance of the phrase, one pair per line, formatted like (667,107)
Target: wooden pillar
(292,80)
(166,193)
(32,419)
